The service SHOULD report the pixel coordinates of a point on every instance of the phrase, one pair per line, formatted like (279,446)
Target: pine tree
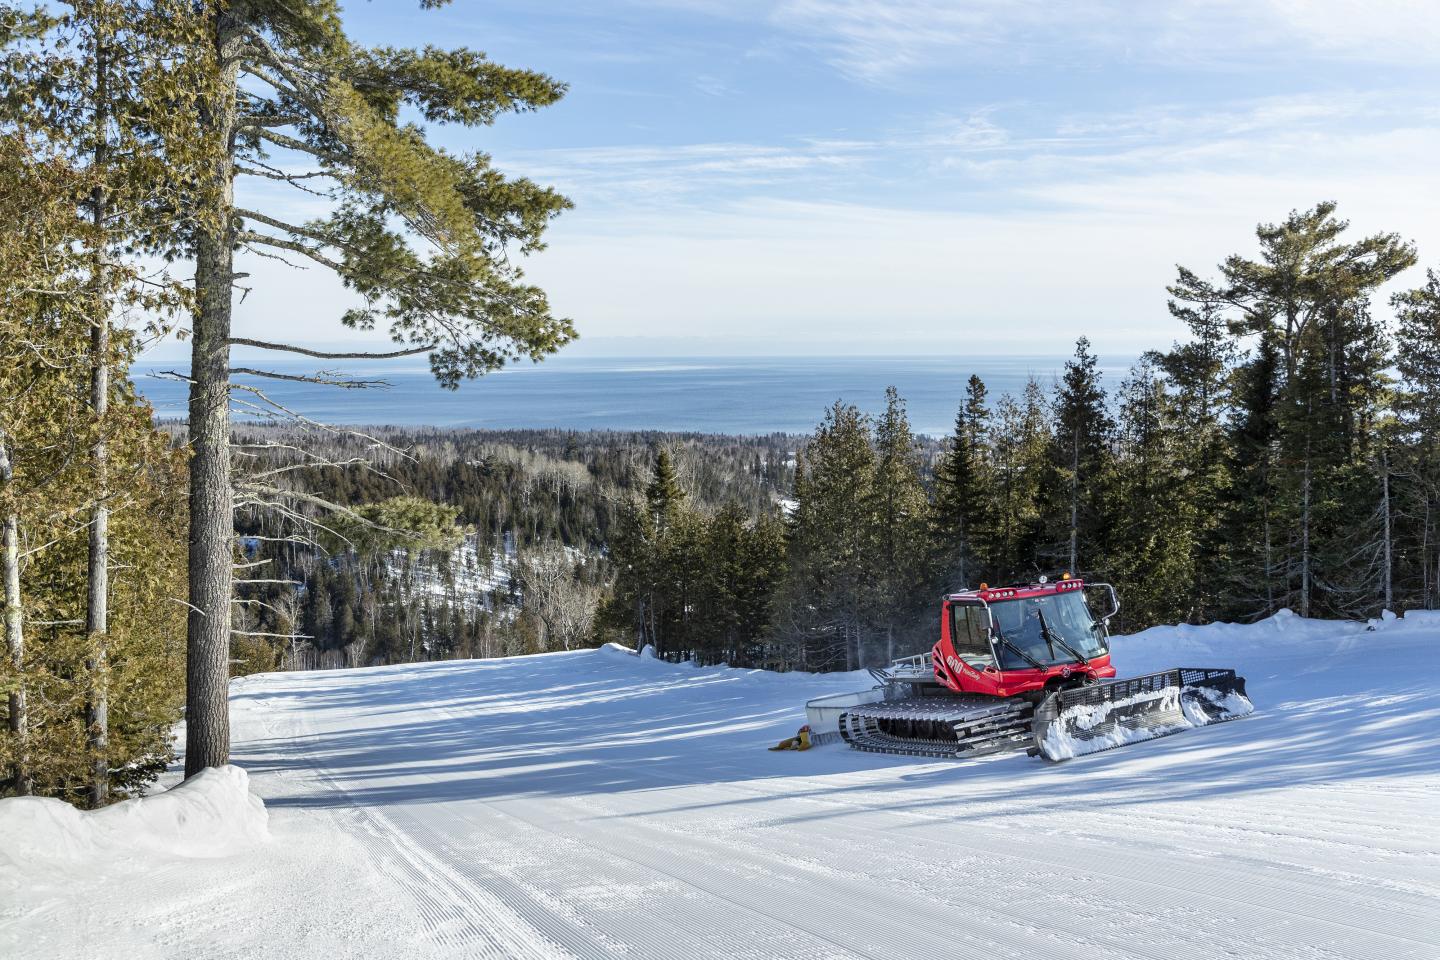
(1304,271)
(422,235)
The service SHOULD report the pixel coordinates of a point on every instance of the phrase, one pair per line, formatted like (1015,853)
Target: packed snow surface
(598,804)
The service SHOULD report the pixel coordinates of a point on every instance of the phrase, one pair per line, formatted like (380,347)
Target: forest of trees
(470,543)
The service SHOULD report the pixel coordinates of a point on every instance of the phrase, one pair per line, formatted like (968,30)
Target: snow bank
(1284,628)
(1266,643)
(213,814)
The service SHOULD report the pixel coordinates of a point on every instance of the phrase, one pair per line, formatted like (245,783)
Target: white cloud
(874,39)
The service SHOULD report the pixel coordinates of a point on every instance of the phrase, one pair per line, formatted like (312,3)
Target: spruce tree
(630,609)
(108,87)
(1251,563)
(831,591)
(1200,374)
(961,520)
(48,296)
(1417,411)
(1022,456)
(1076,498)
(663,495)
(1329,455)
(901,509)
(1153,536)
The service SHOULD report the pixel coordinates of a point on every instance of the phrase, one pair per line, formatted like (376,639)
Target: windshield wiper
(1033,662)
(1055,638)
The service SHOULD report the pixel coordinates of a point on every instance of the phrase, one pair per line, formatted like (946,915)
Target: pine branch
(282,636)
(301,418)
(299,378)
(250,237)
(296,144)
(327,355)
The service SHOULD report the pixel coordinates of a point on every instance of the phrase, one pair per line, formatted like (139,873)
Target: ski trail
(457,913)
(526,854)
(596,805)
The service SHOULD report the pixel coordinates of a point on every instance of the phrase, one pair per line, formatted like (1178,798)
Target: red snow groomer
(1024,664)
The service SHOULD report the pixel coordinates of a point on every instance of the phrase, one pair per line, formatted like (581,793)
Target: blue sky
(910,176)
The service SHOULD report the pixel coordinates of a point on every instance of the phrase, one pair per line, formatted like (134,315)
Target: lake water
(741,395)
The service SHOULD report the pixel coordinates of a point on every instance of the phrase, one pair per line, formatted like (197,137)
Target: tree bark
(1075,504)
(207,717)
(97,704)
(14,626)
(1305,538)
(1387,561)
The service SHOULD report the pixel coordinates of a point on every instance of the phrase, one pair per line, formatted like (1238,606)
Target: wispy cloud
(874,39)
(1005,151)
(650,175)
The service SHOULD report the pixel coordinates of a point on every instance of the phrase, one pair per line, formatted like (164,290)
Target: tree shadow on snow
(572,725)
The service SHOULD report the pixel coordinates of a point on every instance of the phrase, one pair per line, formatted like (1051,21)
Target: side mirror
(1113,598)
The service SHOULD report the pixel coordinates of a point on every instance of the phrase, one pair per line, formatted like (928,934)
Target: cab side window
(970,634)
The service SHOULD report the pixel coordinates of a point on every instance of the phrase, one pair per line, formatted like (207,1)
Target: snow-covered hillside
(597,804)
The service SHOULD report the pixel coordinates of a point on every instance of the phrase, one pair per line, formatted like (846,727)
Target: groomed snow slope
(596,804)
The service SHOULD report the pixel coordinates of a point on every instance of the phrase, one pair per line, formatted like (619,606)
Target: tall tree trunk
(1425,601)
(207,716)
(1387,567)
(1305,538)
(1075,503)
(1269,566)
(14,625)
(97,599)
(1425,557)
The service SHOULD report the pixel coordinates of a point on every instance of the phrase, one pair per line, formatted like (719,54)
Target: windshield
(1043,626)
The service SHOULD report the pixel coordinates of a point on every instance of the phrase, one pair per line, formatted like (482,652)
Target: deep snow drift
(597,804)
(211,815)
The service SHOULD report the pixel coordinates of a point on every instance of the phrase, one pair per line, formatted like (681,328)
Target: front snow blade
(1081,720)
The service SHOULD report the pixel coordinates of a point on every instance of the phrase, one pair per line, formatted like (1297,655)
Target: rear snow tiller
(1026,665)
